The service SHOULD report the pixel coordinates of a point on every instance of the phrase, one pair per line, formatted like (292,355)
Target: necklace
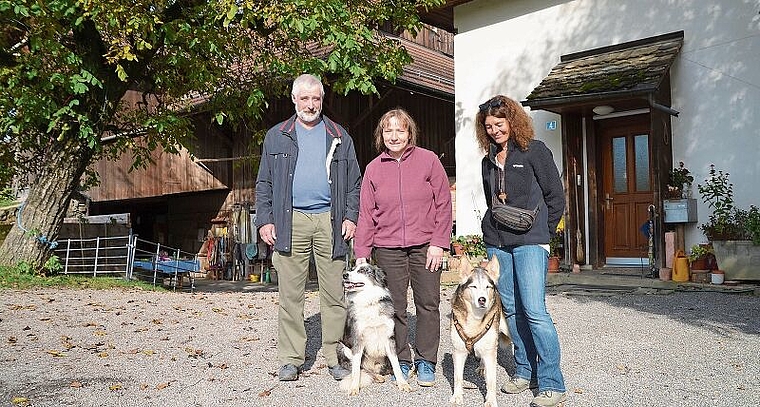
(501,156)
(501,193)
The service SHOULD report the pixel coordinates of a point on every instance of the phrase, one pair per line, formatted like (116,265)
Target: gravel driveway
(132,348)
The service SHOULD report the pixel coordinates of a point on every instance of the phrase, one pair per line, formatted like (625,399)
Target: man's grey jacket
(274,183)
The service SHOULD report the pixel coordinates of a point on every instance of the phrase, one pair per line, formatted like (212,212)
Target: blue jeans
(522,288)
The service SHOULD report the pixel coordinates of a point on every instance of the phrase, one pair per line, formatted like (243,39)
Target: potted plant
(457,245)
(734,232)
(472,246)
(555,245)
(679,181)
(701,257)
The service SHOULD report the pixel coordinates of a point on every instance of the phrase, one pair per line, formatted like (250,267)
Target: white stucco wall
(508,47)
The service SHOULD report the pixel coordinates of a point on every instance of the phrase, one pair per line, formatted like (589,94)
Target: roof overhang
(441,16)
(628,75)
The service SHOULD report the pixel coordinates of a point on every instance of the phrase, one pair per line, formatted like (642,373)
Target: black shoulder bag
(512,217)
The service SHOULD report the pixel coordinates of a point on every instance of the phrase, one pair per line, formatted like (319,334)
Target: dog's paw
(404,386)
(456,399)
(489,403)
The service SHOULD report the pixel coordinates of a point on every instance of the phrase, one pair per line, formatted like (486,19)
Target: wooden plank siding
(171,174)
(173,200)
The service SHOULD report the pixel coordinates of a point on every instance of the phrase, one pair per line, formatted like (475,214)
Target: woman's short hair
(404,119)
(308,81)
(520,124)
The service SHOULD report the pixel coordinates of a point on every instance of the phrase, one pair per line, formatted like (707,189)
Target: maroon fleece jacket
(404,203)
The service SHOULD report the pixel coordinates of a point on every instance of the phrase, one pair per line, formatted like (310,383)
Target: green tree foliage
(66,65)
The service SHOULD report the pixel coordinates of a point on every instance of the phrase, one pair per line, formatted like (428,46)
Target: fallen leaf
(12,339)
(19,400)
(103,354)
(148,352)
(76,384)
(144,386)
(56,353)
(267,392)
(115,386)
(162,386)
(100,332)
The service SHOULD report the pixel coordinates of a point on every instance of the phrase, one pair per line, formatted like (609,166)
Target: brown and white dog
(477,325)
(368,338)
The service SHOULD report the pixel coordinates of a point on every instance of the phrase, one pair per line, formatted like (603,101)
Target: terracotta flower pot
(699,264)
(665,273)
(553,264)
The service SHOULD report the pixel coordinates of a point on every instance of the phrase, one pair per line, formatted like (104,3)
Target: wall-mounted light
(603,110)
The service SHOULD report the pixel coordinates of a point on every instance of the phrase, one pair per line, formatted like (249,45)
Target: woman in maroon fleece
(405,222)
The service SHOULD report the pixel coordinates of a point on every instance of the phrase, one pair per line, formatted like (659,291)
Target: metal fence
(131,258)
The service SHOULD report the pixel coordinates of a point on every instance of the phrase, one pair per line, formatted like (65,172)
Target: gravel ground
(135,348)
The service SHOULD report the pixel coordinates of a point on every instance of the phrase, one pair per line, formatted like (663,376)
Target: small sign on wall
(551,125)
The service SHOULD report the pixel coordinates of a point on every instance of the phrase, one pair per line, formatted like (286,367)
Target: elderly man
(307,202)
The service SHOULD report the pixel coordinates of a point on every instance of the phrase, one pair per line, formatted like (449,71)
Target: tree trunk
(41,215)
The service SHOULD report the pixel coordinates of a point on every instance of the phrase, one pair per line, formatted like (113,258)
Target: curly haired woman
(520,171)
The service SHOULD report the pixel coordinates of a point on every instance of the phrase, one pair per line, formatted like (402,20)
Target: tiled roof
(429,69)
(633,68)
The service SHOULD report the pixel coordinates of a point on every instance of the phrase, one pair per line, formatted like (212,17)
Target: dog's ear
(465,267)
(492,268)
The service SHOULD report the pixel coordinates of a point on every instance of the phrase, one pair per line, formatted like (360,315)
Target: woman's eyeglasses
(493,103)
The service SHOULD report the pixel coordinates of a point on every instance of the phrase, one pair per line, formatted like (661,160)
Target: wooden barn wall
(171,200)
(431,37)
(360,114)
(171,174)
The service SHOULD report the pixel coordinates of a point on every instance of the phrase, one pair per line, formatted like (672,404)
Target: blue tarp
(170,266)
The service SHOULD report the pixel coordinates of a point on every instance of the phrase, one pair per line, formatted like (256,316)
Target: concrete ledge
(600,280)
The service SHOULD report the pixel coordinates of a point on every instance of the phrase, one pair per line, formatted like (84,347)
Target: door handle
(607,200)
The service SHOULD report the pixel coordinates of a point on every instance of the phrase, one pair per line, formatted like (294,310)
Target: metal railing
(129,257)
(99,256)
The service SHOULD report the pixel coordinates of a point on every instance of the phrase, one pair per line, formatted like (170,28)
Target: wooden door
(626,189)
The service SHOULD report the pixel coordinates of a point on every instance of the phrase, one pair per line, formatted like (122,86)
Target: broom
(579,253)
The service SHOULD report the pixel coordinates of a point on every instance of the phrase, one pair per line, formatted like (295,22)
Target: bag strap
(494,194)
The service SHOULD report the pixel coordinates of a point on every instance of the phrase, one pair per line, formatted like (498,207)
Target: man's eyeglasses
(493,103)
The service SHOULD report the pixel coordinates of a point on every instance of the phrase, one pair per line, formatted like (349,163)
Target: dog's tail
(364,381)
